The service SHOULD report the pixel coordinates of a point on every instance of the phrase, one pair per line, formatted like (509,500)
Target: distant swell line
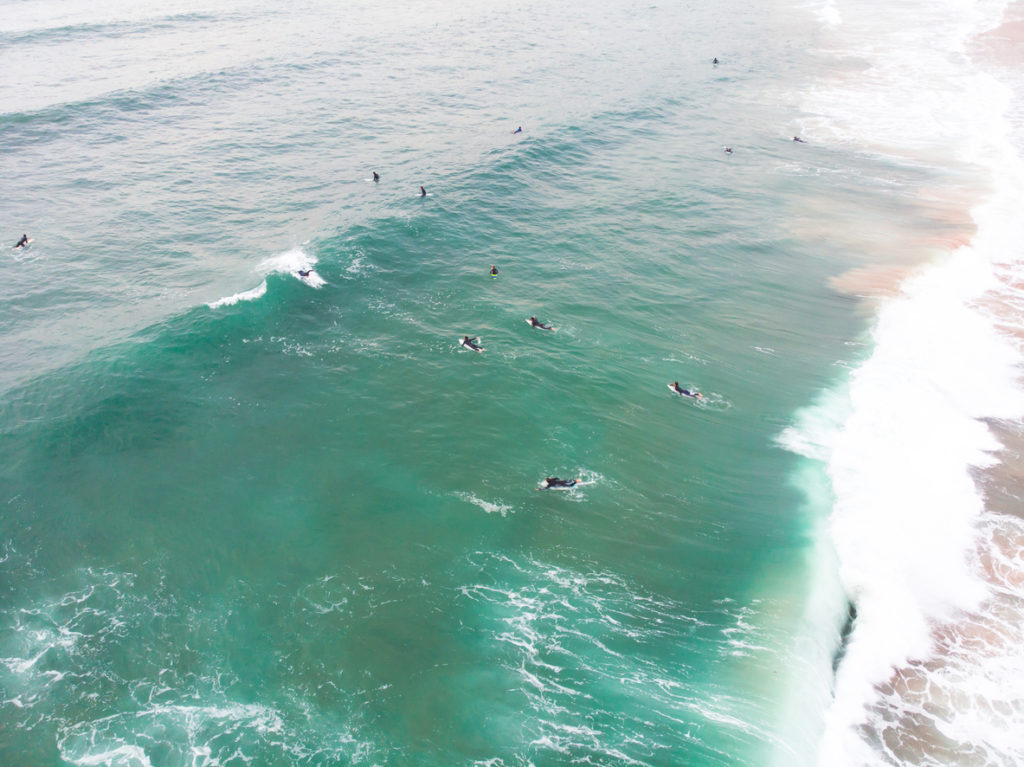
(60,34)
(57,121)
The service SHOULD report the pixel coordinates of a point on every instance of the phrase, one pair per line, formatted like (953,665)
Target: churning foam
(245,295)
(490,507)
(289,262)
(904,439)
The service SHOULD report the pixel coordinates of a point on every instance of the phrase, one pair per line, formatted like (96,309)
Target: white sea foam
(902,440)
(290,262)
(179,729)
(245,295)
(488,506)
(564,633)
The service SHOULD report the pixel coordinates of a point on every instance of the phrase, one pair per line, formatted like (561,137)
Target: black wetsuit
(375,176)
(22,242)
(305,273)
(467,341)
(556,482)
(537,324)
(686,392)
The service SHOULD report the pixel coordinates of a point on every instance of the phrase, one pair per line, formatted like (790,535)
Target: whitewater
(914,442)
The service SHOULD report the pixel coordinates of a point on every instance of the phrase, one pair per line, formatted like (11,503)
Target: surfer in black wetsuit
(534,322)
(550,482)
(376,176)
(423,192)
(494,270)
(305,272)
(686,392)
(22,242)
(469,343)
(799,140)
(715,61)
(728,150)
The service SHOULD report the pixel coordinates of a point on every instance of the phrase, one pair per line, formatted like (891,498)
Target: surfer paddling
(23,242)
(674,386)
(471,343)
(535,323)
(556,483)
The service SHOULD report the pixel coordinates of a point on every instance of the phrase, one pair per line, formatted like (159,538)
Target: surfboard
(462,342)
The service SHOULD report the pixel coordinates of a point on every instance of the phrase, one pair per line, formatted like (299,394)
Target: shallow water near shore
(254,517)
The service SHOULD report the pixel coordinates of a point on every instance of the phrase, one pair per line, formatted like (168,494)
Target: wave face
(255,516)
(915,442)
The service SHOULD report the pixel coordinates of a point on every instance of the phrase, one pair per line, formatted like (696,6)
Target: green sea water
(301,526)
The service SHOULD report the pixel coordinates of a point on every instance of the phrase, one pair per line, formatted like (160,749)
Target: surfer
(799,140)
(423,192)
(22,242)
(305,272)
(534,322)
(685,392)
(470,343)
(728,150)
(553,482)
(715,61)
(376,176)
(494,270)
(518,130)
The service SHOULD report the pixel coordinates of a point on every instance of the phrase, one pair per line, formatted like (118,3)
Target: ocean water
(255,518)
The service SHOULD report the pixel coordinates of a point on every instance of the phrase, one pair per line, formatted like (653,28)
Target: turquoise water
(251,518)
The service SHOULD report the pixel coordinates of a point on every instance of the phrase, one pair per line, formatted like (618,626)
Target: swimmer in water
(423,192)
(22,242)
(685,392)
(494,270)
(799,140)
(376,176)
(534,322)
(518,130)
(470,343)
(552,482)
(728,150)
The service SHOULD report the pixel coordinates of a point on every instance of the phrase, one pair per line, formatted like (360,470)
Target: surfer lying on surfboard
(674,386)
(470,343)
(552,483)
(22,242)
(534,322)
